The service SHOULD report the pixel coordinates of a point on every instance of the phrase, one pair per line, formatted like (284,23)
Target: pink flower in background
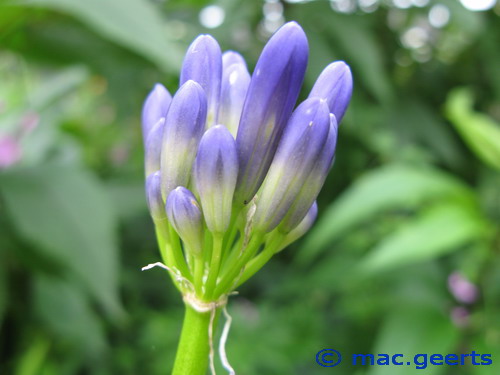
(460,316)
(10,151)
(462,289)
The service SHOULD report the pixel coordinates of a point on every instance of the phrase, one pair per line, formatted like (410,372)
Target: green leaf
(383,189)
(415,331)
(439,230)
(65,213)
(479,131)
(65,310)
(134,24)
(3,292)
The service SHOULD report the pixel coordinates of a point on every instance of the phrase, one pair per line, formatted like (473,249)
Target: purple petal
(153,196)
(215,174)
(272,94)
(297,153)
(313,182)
(335,85)
(184,126)
(235,81)
(303,227)
(155,107)
(231,57)
(184,214)
(152,151)
(203,64)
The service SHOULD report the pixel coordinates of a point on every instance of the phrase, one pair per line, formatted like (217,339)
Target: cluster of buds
(232,170)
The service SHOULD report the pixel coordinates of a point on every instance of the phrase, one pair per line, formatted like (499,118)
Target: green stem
(193,350)
(213,271)
(178,255)
(166,254)
(199,269)
(260,260)
(247,253)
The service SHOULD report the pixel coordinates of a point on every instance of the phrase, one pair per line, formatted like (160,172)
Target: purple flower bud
(153,196)
(271,96)
(335,85)
(184,214)
(303,226)
(235,81)
(314,181)
(297,153)
(155,107)
(152,151)
(231,57)
(215,173)
(184,126)
(203,64)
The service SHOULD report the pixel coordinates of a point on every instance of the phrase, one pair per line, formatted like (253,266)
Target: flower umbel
(232,170)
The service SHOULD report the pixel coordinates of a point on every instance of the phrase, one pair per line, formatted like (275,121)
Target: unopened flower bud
(155,107)
(203,64)
(184,126)
(231,57)
(314,181)
(155,202)
(297,154)
(303,226)
(235,81)
(152,150)
(184,214)
(272,94)
(335,85)
(215,174)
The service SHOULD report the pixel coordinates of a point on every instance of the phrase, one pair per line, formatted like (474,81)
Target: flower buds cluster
(232,169)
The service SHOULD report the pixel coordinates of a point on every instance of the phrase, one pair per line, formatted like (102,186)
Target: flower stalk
(233,171)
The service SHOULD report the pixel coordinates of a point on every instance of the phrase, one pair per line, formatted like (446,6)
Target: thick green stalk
(194,348)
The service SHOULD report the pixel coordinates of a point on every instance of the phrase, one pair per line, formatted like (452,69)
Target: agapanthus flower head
(233,164)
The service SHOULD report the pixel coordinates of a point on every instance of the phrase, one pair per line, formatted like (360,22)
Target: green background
(414,195)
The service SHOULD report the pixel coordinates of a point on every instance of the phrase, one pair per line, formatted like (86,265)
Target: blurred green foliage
(414,195)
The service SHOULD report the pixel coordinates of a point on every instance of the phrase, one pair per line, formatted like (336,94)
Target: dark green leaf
(65,213)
